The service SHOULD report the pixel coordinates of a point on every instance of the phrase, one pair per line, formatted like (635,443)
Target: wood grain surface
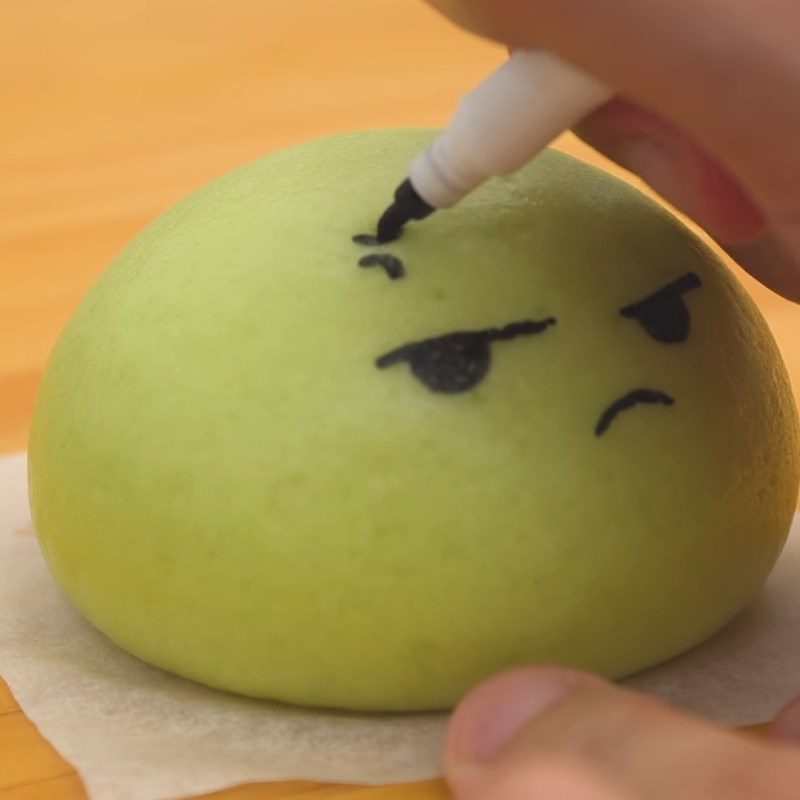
(112,111)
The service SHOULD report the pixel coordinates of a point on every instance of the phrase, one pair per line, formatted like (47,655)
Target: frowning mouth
(629,401)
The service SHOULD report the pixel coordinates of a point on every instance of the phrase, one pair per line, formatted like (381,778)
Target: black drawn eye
(665,315)
(449,364)
(666,319)
(457,362)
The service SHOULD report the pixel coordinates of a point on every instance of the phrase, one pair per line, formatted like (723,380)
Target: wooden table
(112,111)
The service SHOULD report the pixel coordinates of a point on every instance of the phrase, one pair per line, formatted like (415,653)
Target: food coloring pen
(498,128)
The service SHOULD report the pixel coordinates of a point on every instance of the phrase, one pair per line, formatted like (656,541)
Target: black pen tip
(407,205)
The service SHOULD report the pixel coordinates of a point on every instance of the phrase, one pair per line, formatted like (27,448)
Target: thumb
(553,728)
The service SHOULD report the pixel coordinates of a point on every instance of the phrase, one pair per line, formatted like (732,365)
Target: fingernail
(497,711)
(787,726)
(773,262)
(648,158)
(660,167)
(695,183)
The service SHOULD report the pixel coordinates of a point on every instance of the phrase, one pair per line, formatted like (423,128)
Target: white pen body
(504,123)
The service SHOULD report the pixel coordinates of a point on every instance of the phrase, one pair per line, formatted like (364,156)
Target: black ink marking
(457,362)
(664,315)
(407,205)
(394,266)
(634,398)
(367,240)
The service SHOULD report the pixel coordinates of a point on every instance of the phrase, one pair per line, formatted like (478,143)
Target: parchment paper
(136,733)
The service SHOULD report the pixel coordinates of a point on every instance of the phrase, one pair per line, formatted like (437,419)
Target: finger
(677,168)
(476,729)
(695,183)
(727,72)
(537,715)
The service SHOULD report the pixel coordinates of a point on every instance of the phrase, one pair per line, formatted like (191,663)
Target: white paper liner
(136,733)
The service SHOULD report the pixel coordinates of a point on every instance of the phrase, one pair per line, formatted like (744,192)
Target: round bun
(545,426)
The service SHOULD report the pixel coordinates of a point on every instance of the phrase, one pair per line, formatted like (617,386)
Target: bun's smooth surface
(546,425)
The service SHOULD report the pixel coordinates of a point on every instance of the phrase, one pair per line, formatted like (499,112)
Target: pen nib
(407,205)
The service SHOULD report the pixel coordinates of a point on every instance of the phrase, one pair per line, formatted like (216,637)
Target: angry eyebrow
(672,291)
(465,340)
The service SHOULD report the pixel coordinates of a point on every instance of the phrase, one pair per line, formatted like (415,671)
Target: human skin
(711,76)
(544,733)
(708,77)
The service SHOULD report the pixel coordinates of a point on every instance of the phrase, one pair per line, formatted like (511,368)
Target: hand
(542,733)
(708,112)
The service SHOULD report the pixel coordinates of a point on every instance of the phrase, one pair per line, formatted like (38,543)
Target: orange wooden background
(111,110)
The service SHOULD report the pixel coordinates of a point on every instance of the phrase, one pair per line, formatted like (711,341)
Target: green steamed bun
(546,425)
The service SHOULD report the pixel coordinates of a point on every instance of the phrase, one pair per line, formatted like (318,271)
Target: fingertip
(489,718)
(495,710)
